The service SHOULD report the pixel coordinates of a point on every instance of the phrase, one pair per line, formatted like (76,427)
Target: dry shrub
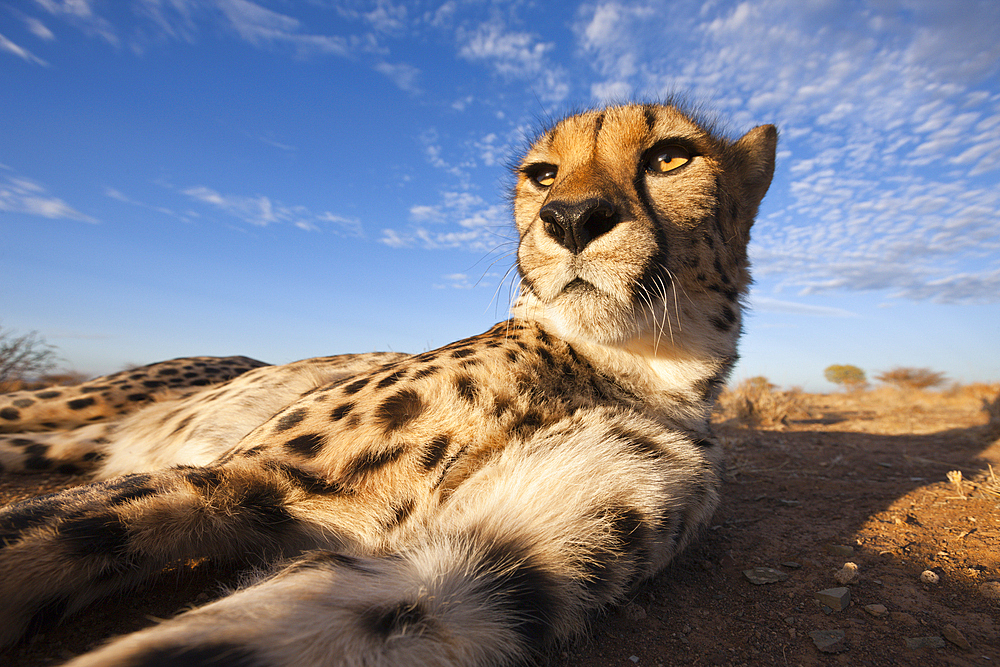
(756,402)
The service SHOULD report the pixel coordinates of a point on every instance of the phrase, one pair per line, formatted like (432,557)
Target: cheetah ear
(753,162)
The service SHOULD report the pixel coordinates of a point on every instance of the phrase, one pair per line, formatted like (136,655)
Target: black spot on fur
(128,495)
(632,533)
(10,414)
(23,403)
(207,655)
(80,403)
(513,356)
(309,444)
(356,386)
(49,394)
(290,420)
(461,354)
(200,382)
(22,442)
(704,443)
(390,380)
(204,479)
(369,462)
(466,387)
(67,469)
(399,410)
(306,480)
(168,371)
(37,458)
(435,451)
(100,535)
(430,371)
(516,580)
(182,424)
(341,411)
(400,512)
(400,619)
(135,398)
(546,356)
(93,456)
(264,504)
(152,384)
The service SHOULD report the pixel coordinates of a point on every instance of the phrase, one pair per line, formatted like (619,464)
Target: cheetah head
(634,223)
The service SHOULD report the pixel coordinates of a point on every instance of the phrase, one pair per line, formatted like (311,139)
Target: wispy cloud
(23,195)
(20,52)
(467,220)
(39,29)
(516,55)
(767,304)
(262,211)
(81,14)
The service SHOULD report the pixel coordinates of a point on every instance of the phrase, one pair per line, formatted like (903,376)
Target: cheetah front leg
(61,551)
(515,560)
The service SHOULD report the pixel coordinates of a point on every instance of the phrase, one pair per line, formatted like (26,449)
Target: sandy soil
(856,479)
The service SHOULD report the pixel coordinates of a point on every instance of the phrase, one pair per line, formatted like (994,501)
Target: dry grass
(756,402)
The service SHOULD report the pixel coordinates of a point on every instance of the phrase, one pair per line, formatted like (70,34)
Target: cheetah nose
(575,224)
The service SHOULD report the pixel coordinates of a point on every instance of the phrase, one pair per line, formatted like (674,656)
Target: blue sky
(285,179)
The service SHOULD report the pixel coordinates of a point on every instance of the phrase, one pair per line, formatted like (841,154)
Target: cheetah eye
(542,175)
(667,159)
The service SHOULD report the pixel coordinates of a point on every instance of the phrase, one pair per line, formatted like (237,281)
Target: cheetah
(475,504)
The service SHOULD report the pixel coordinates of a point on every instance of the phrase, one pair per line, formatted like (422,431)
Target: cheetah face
(633,225)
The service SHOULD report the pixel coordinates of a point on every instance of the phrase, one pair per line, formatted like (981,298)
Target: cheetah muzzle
(471,505)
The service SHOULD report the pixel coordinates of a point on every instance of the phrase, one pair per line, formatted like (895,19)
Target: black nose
(575,224)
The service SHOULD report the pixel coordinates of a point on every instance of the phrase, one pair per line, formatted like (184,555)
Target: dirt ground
(854,478)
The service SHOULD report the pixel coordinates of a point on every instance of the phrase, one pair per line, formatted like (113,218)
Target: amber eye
(667,159)
(543,175)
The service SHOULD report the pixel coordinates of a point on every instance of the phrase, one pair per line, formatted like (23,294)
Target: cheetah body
(471,505)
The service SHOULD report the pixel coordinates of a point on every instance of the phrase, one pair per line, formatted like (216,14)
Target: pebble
(836,599)
(924,642)
(634,612)
(877,610)
(847,574)
(990,590)
(634,658)
(929,577)
(952,634)
(829,641)
(764,575)
(791,564)
(903,617)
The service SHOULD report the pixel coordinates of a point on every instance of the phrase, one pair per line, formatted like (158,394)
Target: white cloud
(261,211)
(81,14)
(20,52)
(516,56)
(469,223)
(402,74)
(769,305)
(39,30)
(22,195)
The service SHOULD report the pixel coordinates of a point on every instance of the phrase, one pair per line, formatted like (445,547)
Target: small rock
(847,574)
(991,590)
(840,550)
(903,617)
(634,658)
(791,564)
(929,577)
(877,610)
(764,575)
(836,599)
(829,641)
(952,634)
(924,642)
(634,612)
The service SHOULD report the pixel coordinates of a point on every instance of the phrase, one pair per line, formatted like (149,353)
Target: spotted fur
(471,505)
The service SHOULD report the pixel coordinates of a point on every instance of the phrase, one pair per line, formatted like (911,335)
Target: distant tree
(22,357)
(851,377)
(912,378)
